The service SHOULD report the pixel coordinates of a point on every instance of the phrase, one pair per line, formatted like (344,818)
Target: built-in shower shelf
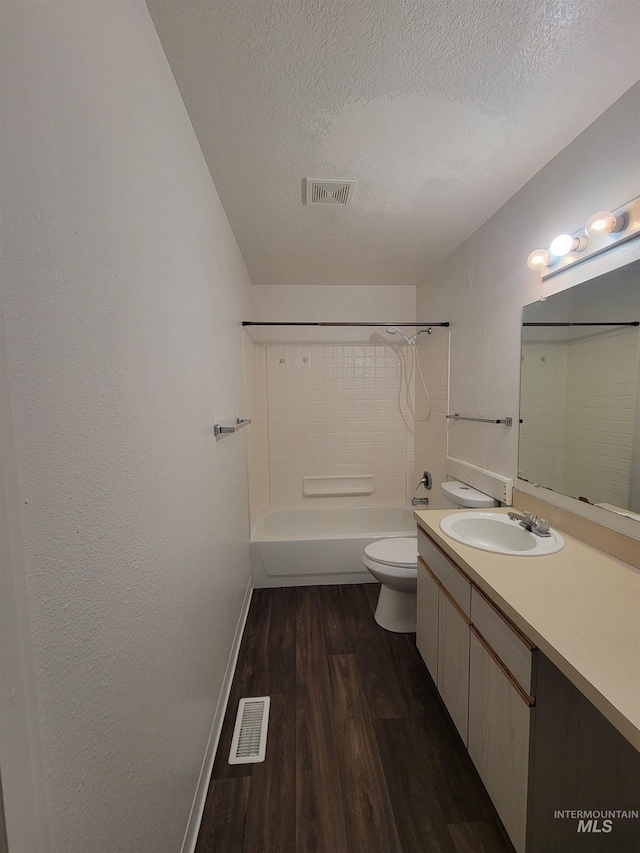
(337,486)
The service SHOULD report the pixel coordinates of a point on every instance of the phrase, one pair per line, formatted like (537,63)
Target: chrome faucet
(531,522)
(426,481)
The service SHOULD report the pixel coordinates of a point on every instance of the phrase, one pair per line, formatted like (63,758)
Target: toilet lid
(400,551)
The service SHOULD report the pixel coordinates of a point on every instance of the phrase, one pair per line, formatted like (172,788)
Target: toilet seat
(400,551)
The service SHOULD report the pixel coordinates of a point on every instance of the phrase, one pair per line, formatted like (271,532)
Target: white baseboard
(197,809)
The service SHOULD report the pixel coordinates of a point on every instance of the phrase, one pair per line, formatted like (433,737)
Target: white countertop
(579,606)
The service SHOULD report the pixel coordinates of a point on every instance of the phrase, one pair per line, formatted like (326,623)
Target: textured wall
(123,289)
(349,303)
(442,110)
(482,287)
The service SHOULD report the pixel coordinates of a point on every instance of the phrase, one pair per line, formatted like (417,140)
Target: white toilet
(394,562)
(457,494)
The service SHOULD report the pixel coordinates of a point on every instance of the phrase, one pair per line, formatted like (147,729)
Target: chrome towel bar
(457,417)
(223,430)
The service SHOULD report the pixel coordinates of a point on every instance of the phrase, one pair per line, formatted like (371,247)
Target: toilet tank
(457,494)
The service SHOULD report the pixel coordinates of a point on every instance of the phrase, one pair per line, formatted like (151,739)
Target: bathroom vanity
(537,661)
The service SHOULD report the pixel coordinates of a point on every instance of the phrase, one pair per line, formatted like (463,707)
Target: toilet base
(396,610)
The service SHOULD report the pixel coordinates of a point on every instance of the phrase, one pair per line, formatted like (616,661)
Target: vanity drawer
(511,646)
(449,575)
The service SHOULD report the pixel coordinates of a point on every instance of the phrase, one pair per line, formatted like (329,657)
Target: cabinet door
(427,620)
(453,662)
(499,723)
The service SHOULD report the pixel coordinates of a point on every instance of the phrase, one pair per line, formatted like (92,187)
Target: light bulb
(565,243)
(603,222)
(539,259)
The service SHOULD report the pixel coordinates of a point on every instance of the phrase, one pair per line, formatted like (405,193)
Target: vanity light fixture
(603,230)
(565,243)
(539,259)
(604,222)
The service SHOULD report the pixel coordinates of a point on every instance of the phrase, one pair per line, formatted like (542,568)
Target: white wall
(123,290)
(482,287)
(314,303)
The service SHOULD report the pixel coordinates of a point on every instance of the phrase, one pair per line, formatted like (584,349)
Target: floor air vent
(249,742)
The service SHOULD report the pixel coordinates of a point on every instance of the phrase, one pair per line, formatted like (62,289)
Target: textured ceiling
(442,110)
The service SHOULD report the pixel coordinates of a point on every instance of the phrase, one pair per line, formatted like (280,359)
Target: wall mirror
(580,393)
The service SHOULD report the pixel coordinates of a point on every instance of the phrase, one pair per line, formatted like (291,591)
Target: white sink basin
(498,533)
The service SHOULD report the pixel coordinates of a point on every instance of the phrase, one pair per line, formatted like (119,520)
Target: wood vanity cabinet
(538,744)
(427,619)
(500,720)
(453,661)
(444,643)
(490,707)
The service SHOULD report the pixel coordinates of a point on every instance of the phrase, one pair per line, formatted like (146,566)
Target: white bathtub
(321,545)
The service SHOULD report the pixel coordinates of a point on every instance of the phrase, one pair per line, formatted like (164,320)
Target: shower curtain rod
(633,323)
(412,325)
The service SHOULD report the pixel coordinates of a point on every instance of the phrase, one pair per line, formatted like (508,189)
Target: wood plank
(480,837)
(323,779)
(320,821)
(337,630)
(251,678)
(372,591)
(224,816)
(418,815)
(416,685)
(375,661)
(271,818)
(462,795)
(280,675)
(369,815)
(254,667)
(311,648)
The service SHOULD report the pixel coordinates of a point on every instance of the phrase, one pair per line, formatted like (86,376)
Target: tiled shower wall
(602,382)
(431,434)
(327,410)
(543,371)
(333,410)
(579,409)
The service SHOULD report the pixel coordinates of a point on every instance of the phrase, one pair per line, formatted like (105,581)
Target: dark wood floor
(361,753)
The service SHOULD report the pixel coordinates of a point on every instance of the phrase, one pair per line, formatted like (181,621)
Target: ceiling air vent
(328,192)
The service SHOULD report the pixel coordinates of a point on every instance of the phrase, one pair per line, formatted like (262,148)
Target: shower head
(394,330)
